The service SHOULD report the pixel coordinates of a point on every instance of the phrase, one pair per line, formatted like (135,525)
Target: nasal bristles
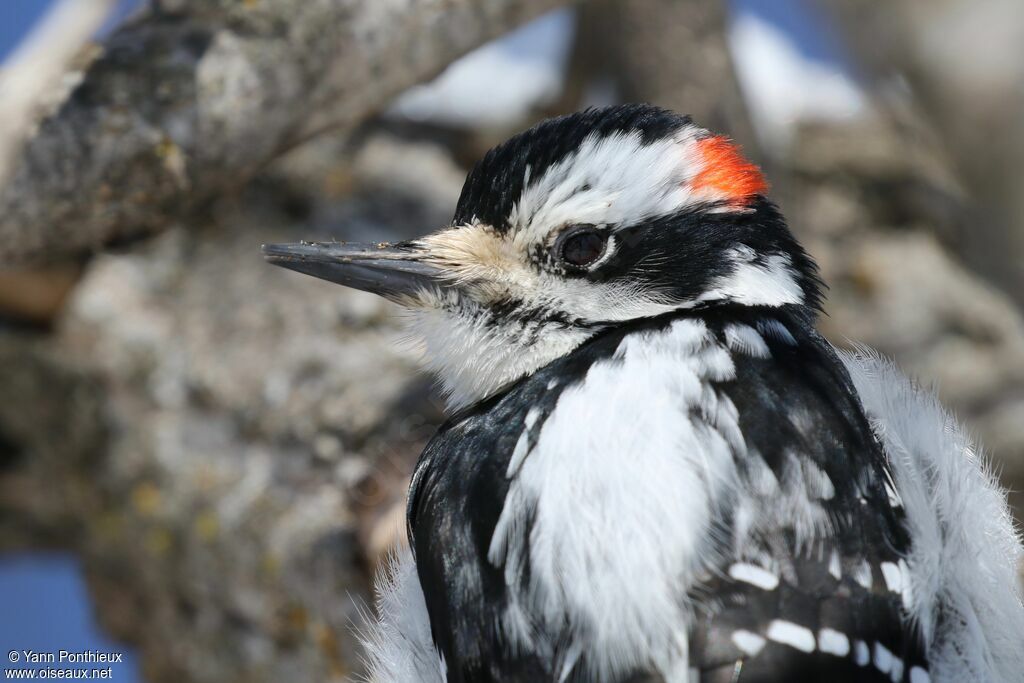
(726,174)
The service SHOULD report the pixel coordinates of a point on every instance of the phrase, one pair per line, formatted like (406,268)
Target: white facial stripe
(600,301)
(612,180)
(499,270)
(773,283)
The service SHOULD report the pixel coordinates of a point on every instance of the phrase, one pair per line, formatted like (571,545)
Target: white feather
(398,645)
(961,581)
(612,180)
(473,359)
(772,283)
(588,478)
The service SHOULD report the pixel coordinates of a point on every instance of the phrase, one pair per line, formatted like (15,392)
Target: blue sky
(46,608)
(18,16)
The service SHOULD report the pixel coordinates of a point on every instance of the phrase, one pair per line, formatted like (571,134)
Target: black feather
(460,486)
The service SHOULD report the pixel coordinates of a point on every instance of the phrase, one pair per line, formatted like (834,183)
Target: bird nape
(656,469)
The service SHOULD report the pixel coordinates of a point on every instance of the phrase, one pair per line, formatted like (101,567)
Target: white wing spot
(919,675)
(788,633)
(827,489)
(833,642)
(896,674)
(833,565)
(861,654)
(754,575)
(893,577)
(862,574)
(883,658)
(749,643)
(817,482)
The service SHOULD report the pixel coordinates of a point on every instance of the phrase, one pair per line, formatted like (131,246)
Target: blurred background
(203,459)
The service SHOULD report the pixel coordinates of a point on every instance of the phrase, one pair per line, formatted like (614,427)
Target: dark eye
(581,247)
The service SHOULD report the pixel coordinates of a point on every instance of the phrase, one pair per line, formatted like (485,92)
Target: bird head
(582,223)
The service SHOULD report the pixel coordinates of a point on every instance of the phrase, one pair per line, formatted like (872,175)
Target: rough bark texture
(671,53)
(32,76)
(962,60)
(198,95)
(225,444)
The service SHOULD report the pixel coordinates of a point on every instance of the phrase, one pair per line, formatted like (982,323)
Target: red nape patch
(726,172)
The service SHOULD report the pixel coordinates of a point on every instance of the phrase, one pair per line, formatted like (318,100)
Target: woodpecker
(656,470)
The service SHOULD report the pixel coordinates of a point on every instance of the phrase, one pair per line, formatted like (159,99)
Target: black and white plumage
(656,469)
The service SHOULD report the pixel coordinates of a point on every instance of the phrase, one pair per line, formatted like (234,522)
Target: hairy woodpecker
(657,470)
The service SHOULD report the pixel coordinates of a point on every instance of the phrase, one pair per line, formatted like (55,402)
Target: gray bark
(225,445)
(668,52)
(197,95)
(35,72)
(962,61)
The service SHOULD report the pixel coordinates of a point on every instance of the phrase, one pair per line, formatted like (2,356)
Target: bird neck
(475,359)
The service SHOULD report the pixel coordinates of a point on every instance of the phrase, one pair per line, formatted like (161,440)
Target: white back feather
(398,644)
(966,552)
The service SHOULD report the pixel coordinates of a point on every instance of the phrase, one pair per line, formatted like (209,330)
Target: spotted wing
(790,607)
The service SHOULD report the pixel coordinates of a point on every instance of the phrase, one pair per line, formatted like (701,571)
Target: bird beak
(394,271)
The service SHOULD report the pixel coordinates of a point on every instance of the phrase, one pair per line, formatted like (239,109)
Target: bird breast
(608,518)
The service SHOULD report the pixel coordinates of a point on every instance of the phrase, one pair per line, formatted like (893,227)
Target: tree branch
(34,72)
(187,102)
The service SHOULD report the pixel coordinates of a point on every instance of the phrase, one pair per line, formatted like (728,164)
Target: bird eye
(582,247)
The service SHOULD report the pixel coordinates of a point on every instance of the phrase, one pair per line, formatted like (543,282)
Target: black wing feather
(798,404)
